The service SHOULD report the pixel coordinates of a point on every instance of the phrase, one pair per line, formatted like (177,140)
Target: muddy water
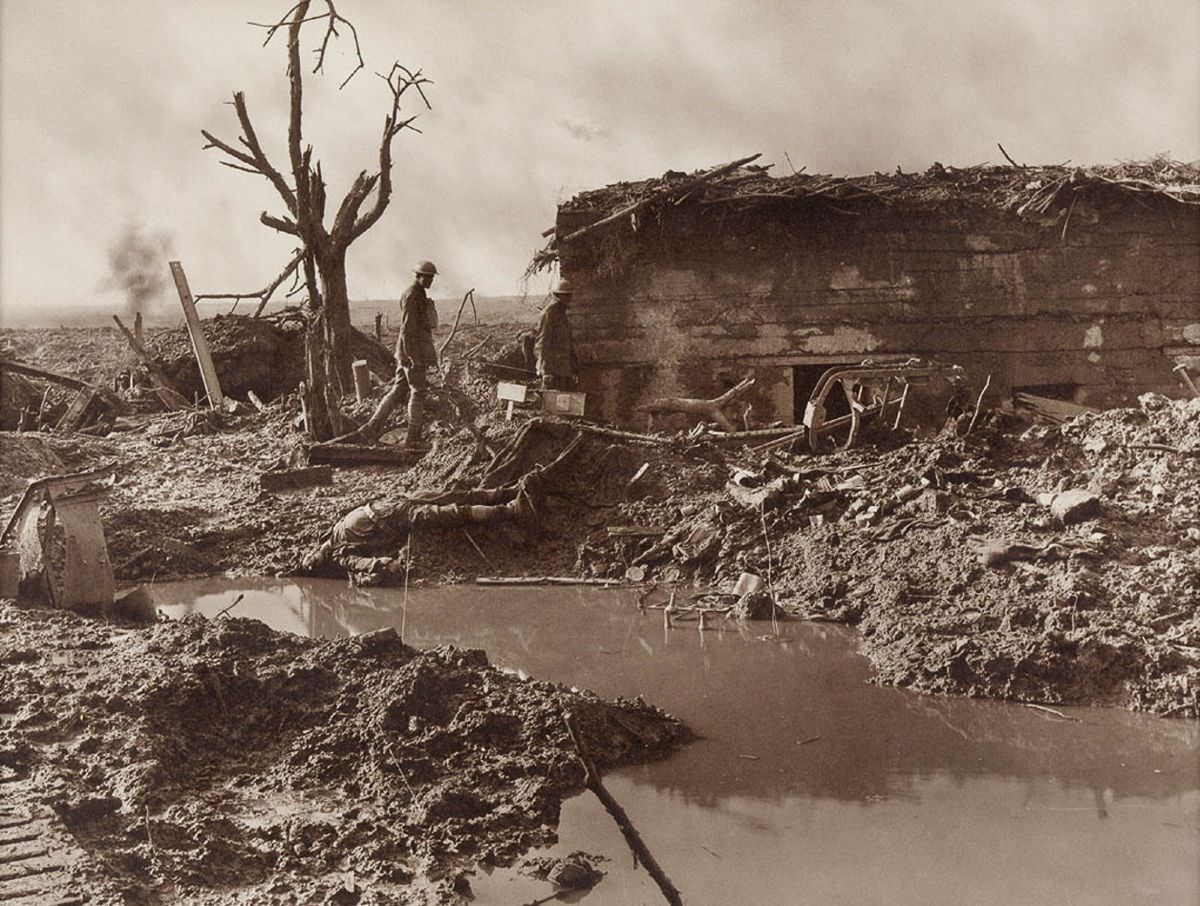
(809,785)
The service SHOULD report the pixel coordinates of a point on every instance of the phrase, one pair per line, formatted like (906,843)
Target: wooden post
(208,372)
(379,326)
(362,379)
(138,334)
(302,389)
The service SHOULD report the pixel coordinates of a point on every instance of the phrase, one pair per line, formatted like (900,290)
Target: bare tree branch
(264,294)
(250,139)
(399,80)
(282,224)
(233,166)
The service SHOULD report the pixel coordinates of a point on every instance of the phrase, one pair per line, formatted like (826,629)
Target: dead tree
(709,410)
(322,253)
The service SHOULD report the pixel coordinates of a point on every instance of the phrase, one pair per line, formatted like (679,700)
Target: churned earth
(199,761)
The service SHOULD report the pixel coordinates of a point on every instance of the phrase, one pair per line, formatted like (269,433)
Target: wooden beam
(208,371)
(295,478)
(113,401)
(339,454)
(167,393)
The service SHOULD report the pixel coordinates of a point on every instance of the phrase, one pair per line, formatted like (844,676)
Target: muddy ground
(945,549)
(219,761)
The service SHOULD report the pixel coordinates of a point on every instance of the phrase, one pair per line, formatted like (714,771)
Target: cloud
(535,100)
(582,130)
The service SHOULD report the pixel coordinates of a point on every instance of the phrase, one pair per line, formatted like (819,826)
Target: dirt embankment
(222,762)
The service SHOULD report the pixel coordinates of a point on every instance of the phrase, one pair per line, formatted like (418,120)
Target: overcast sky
(534,100)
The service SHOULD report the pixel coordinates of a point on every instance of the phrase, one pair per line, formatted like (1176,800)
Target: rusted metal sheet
(60,542)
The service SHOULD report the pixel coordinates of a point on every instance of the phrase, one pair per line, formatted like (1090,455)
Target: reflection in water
(799,752)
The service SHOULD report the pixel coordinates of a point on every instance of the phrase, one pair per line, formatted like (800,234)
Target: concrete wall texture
(691,302)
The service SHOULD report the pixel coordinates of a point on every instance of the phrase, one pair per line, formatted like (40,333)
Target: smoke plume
(137,266)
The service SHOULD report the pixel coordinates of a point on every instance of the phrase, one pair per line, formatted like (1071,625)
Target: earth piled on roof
(1023,190)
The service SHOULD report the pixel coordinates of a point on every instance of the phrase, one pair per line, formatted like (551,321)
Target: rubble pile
(265,355)
(220,761)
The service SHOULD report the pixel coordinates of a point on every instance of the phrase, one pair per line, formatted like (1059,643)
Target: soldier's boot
(525,507)
(416,421)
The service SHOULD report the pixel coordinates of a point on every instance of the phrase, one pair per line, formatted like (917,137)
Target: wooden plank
(359,455)
(113,401)
(208,371)
(73,418)
(295,478)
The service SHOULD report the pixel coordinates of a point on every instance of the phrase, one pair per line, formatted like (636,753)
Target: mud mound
(23,458)
(232,763)
(265,355)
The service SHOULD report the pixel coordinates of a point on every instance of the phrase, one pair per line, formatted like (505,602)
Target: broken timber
(167,393)
(337,454)
(208,371)
(114,402)
(1049,409)
(687,185)
(295,478)
(641,852)
(710,410)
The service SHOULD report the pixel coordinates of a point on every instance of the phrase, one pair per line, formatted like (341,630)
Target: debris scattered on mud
(956,553)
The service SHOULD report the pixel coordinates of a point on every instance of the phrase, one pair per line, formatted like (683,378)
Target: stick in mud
(591,779)
(479,550)
(225,610)
(979,403)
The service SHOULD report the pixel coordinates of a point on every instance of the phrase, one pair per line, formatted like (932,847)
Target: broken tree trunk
(707,410)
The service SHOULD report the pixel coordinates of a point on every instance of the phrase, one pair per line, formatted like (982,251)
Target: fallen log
(707,410)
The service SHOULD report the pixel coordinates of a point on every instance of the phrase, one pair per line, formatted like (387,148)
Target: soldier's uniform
(414,349)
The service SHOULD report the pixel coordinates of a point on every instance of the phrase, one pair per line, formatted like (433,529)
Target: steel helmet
(563,288)
(425,267)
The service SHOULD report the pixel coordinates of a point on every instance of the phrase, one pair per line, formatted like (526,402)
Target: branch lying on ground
(710,410)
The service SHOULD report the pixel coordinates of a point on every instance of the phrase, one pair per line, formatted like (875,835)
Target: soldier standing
(414,349)
(555,350)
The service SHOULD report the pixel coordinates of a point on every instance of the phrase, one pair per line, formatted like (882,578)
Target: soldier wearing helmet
(414,348)
(555,350)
